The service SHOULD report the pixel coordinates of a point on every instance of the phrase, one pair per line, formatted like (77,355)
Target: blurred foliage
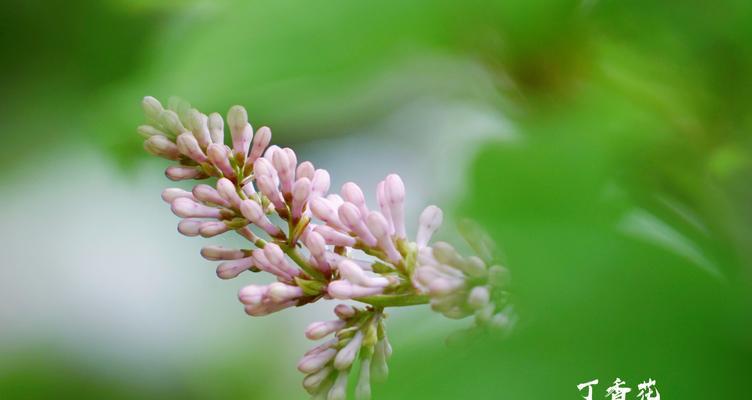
(624,210)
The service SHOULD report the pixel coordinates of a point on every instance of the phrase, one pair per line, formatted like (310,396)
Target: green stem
(394,300)
(303,264)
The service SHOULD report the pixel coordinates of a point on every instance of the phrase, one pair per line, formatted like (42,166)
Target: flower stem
(394,300)
(303,264)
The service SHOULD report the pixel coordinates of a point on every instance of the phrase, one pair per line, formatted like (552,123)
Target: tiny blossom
(318,245)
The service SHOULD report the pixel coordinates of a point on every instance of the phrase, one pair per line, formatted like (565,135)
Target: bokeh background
(605,145)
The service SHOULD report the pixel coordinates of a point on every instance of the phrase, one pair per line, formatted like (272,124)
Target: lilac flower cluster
(318,245)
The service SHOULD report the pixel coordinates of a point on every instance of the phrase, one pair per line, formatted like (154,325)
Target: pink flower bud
(267,308)
(208,194)
(187,208)
(160,146)
(263,167)
(429,221)
(437,283)
(285,171)
(478,297)
(353,194)
(317,247)
(147,131)
(200,127)
(331,343)
(180,172)
(315,362)
(252,212)
(189,227)
(346,356)
(345,290)
(321,329)
(315,244)
(312,382)
(320,183)
(268,187)
(249,190)
(188,145)
(344,311)
(292,159)
(216,128)
(446,254)
(335,200)
(260,142)
(269,153)
(219,156)
(334,237)
(274,254)
(394,189)
(339,388)
(240,129)
(231,269)
(383,201)
(227,190)
(213,228)
(324,210)
(300,192)
(217,253)
(252,294)
(171,122)
(170,194)
(378,226)
(305,170)
(280,293)
(152,107)
(264,264)
(363,388)
(354,274)
(351,217)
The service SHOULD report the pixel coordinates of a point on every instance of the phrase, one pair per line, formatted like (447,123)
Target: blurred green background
(605,145)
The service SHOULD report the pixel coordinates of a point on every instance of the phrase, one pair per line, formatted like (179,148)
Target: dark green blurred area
(624,210)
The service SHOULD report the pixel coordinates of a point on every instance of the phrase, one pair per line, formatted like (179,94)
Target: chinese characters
(619,390)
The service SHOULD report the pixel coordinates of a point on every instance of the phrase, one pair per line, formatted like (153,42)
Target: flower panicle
(316,244)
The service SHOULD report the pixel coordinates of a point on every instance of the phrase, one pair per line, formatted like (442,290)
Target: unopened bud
(227,190)
(217,253)
(315,362)
(346,356)
(213,228)
(394,189)
(429,221)
(216,128)
(160,146)
(320,183)
(188,145)
(152,107)
(321,329)
(208,194)
(260,142)
(240,129)
(219,156)
(189,227)
(170,194)
(180,173)
(187,208)
(200,127)
(233,268)
(305,170)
